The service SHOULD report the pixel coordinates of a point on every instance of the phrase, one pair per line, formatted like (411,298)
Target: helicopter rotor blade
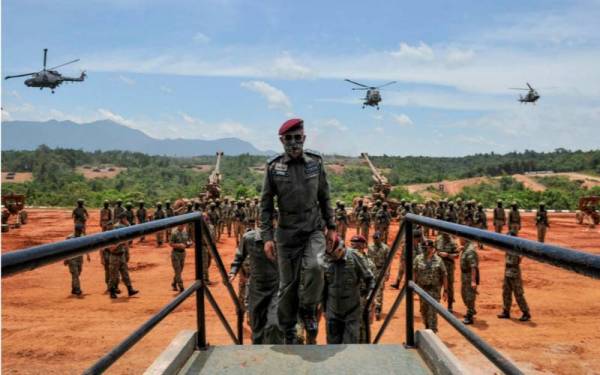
(361,88)
(67,63)
(356,83)
(387,84)
(517,88)
(528,85)
(45,55)
(20,75)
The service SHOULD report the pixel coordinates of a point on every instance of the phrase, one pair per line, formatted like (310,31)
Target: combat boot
(77,292)
(117,290)
(378,314)
(396,285)
(131,291)
(174,286)
(290,337)
(450,307)
(181,289)
(310,325)
(505,315)
(525,317)
(468,319)
(113,293)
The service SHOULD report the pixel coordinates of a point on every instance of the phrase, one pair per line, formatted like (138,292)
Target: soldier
(378,253)
(374,210)
(460,211)
(480,220)
(342,299)
(76,264)
(514,219)
(241,265)
(341,220)
(364,221)
(417,249)
(250,212)
(440,212)
(213,220)
(429,211)
(359,245)
(256,213)
(469,214)
(105,258)
(513,283)
(129,214)
(226,216)
(382,221)
(357,210)
(106,215)
(239,215)
(400,211)
(80,215)
(141,215)
(414,208)
(451,215)
(469,277)
(448,251)
(499,217)
(430,274)
(299,181)
(263,277)
(168,213)
(117,210)
(541,222)
(178,241)
(159,214)
(117,262)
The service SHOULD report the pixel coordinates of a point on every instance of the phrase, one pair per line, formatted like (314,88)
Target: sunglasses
(295,137)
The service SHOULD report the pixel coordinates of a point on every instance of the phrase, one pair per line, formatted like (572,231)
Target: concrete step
(306,359)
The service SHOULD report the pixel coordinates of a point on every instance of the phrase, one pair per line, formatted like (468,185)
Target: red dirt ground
(90,174)
(20,177)
(45,330)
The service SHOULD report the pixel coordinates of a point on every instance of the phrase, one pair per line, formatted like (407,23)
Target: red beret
(358,238)
(291,124)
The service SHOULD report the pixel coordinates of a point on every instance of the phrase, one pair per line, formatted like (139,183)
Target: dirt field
(20,177)
(45,330)
(103,173)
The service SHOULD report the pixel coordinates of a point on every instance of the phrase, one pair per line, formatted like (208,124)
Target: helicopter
(49,78)
(372,98)
(531,97)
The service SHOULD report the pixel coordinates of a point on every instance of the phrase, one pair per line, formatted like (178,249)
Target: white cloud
(6,115)
(107,114)
(335,124)
(422,52)
(402,119)
(166,89)
(201,38)
(276,98)
(456,56)
(286,67)
(126,80)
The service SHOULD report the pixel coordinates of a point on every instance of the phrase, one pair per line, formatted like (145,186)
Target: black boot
(181,289)
(526,317)
(132,291)
(377,314)
(450,307)
(77,292)
(113,293)
(505,315)
(291,338)
(468,319)
(396,285)
(174,286)
(117,290)
(310,325)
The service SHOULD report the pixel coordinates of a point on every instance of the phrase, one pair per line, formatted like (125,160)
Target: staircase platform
(306,359)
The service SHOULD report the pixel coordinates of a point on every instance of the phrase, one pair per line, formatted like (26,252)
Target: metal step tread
(306,359)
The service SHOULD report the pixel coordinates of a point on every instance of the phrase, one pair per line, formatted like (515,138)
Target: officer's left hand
(330,237)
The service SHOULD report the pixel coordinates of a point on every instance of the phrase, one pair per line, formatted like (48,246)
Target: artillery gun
(588,208)
(380,189)
(13,205)
(212,189)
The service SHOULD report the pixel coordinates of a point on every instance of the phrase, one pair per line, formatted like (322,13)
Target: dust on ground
(45,330)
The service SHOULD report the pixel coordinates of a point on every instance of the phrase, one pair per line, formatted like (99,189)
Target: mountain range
(108,135)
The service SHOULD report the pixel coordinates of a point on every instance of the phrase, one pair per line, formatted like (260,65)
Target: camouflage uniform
(239,214)
(469,214)
(357,210)
(541,222)
(117,263)
(468,260)
(214,219)
(382,222)
(514,220)
(302,192)
(106,216)
(341,221)
(159,214)
(178,257)
(129,214)
(364,222)
(429,275)
(261,297)
(80,216)
(513,283)
(142,216)
(364,288)
(343,297)
(117,210)
(226,211)
(445,244)
(378,254)
(451,215)
(499,217)
(460,211)
(440,211)
(169,213)
(75,267)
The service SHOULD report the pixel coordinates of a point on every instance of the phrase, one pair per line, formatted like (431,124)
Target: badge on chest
(312,169)
(280,169)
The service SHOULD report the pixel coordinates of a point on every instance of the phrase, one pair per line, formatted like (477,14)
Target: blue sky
(221,68)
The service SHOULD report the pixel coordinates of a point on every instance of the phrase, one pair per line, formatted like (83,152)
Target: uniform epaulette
(273,158)
(314,153)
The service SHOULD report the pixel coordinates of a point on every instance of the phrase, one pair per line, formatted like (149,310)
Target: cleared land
(104,172)
(19,177)
(45,330)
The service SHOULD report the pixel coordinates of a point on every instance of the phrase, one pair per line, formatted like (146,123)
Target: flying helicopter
(531,97)
(49,78)
(372,98)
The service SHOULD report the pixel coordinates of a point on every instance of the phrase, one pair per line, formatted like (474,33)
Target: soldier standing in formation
(341,220)
(129,214)
(80,215)
(447,250)
(513,284)
(430,274)
(357,210)
(178,241)
(378,253)
(429,211)
(106,215)
(541,222)
(383,218)
(460,211)
(299,181)
(364,221)
(168,213)
(346,272)
(514,219)
(499,217)
(480,220)
(159,214)
(117,210)
(213,220)
(451,215)
(359,245)
(239,215)
(117,262)
(418,239)
(261,302)
(105,258)
(76,264)
(142,216)
(469,277)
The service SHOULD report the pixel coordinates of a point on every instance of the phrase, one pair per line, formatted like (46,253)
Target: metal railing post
(200,315)
(408,276)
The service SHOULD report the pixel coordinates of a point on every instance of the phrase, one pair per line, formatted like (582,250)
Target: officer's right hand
(270,250)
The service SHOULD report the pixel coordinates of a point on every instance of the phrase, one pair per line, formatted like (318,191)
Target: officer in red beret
(297,178)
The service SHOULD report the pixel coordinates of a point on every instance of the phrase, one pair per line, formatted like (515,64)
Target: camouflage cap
(106,201)
(159,203)
(80,200)
(119,200)
(459,199)
(480,205)
(451,203)
(140,202)
(378,201)
(514,203)
(542,203)
(499,201)
(213,205)
(128,204)
(342,204)
(167,202)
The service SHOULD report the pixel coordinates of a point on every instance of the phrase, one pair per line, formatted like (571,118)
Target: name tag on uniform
(280,169)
